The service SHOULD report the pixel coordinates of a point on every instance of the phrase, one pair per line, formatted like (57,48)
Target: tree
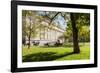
(75,33)
(30,24)
(24,29)
(77,21)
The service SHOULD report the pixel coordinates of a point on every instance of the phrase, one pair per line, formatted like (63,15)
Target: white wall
(5,37)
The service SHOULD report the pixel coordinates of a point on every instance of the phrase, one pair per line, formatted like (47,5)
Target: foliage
(84,34)
(82,19)
(31,21)
(82,24)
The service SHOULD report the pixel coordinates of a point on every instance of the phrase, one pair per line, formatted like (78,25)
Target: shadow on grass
(48,56)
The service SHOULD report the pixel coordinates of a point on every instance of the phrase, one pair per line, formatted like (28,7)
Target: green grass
(36,53)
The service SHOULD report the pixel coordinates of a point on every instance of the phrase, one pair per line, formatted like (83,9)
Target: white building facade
(48,33)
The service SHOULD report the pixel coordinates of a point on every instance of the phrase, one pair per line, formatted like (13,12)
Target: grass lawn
(37,53)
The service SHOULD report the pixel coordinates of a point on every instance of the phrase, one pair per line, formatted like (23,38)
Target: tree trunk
(75,34)
(40,32)
(29,38)
(29,41)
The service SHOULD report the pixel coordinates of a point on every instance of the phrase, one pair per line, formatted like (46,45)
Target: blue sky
(59,19)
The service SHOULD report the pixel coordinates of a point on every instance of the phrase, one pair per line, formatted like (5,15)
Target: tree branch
(54,17)
(51,19)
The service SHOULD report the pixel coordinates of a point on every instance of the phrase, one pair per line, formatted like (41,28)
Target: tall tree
(75,33)
(30,25)
(74,27)
(77,21)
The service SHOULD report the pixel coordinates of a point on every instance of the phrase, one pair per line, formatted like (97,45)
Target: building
(47,34)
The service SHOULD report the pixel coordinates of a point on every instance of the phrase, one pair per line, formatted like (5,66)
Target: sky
(59,19)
